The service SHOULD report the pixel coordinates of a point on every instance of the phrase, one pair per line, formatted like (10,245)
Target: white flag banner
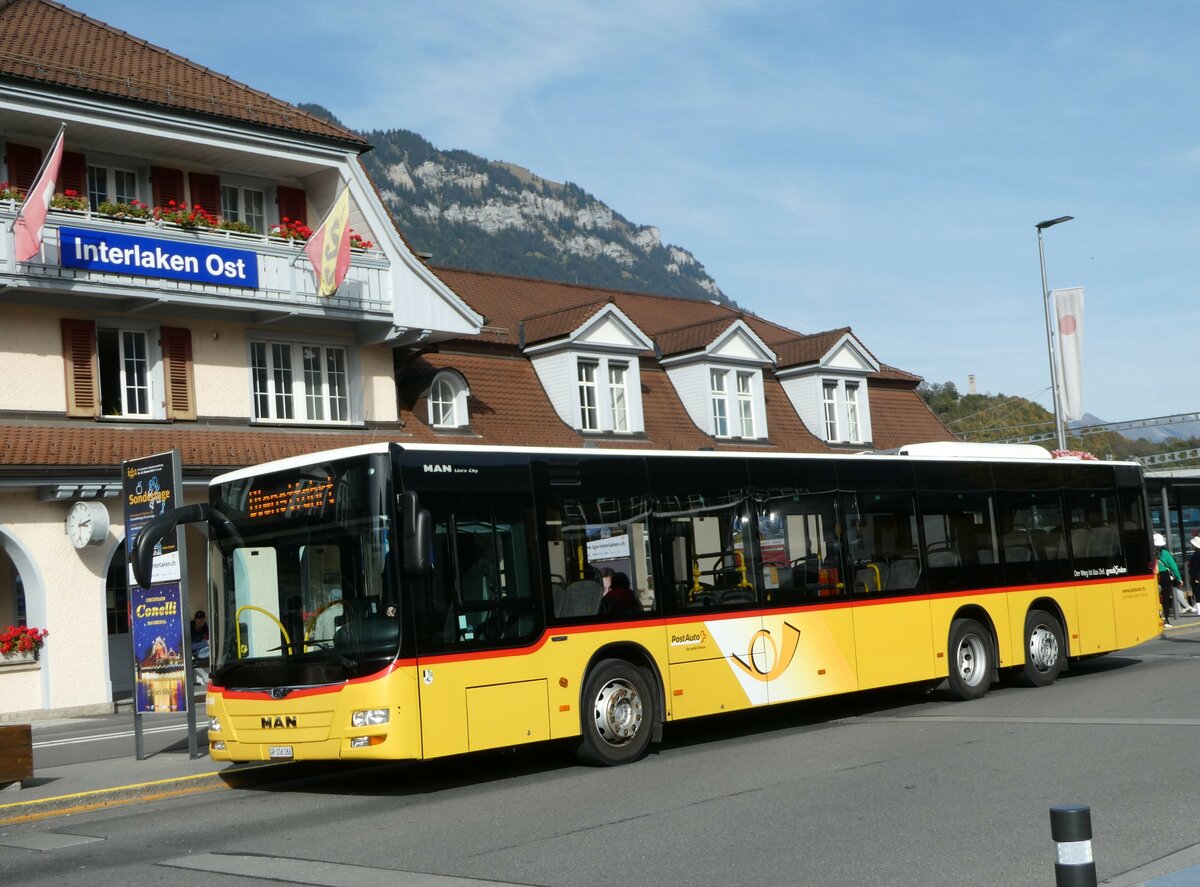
(1068,308)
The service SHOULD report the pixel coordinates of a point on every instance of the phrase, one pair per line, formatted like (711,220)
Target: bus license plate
(280,752)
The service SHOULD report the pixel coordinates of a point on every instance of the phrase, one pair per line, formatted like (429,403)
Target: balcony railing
(285,276)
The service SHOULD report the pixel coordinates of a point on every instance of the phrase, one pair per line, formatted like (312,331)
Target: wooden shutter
(293,204)
(167,185)
(206,192)
(177,372)
(82,370)
(72,175)
(23,165)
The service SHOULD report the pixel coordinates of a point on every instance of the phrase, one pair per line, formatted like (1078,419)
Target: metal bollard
(1071,828)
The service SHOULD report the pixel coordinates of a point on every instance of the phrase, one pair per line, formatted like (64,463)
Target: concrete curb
(98,799)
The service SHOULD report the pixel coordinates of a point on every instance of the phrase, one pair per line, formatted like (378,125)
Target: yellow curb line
(13,814)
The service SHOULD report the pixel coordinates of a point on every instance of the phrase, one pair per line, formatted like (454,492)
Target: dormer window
(601,356)
(732,395)
(853,428)
(448,401)
(745,400)
(829,400)
(618,398)
(825,378)
(720,421)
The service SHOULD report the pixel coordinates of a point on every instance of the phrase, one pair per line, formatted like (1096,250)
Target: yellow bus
(416,601)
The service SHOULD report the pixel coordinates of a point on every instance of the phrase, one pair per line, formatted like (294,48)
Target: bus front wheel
(971,664)
(1044,649)
(618,714)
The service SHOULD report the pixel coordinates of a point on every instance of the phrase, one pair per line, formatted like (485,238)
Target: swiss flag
(27,229)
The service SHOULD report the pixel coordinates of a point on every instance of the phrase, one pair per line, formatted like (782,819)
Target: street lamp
(1058,420)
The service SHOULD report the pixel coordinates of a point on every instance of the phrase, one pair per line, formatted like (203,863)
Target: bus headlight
(214,725)
(370,717)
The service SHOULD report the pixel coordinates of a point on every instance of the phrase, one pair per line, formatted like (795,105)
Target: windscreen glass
(303,572)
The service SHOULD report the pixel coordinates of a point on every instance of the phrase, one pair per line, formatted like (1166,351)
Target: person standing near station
(1170,583)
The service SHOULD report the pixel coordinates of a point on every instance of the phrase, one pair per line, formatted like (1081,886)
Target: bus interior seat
(582,598)
(1079,541)
(904,573)
(941,554)
(871,577)
(737,596)
(1102,542)
(1018,546)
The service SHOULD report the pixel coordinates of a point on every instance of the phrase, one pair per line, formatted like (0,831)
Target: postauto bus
(416,601)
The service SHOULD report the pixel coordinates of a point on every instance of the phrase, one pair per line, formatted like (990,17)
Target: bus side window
(707,551)
(799,553)
(598,557)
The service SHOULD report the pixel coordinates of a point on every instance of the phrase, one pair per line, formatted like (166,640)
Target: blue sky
(879,165)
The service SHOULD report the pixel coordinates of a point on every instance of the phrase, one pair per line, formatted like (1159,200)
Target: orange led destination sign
(304,496)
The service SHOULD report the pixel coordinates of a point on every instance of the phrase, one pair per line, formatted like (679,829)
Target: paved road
(894,788)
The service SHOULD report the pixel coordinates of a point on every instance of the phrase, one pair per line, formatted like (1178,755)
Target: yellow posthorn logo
(780,659)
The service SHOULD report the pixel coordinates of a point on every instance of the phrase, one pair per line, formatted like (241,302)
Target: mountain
(489,215)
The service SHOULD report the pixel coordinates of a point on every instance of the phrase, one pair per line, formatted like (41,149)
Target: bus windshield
(302,563)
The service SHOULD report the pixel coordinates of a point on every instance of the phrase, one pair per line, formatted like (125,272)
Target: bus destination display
(304,497)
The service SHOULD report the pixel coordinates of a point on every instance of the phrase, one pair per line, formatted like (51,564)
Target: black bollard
(1071,828)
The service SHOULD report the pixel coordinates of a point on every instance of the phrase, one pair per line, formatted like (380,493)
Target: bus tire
(971,660)
(617,714)
(1045,649)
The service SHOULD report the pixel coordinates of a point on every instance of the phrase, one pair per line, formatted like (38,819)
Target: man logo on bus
(779,659)
(278,722)
(437,469)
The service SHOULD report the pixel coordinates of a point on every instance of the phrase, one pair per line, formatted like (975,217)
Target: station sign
(115,253)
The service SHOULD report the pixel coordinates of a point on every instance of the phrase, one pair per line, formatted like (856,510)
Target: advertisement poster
(156,627)
(149,490)
(157,620)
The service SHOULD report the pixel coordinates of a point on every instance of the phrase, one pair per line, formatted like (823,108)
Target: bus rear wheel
(971,664)
(618,714)
(1044,649)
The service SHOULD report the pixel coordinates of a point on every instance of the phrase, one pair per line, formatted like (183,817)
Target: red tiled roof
(48,43)
(559,323)
(694,337)
(899,416)
(88,445)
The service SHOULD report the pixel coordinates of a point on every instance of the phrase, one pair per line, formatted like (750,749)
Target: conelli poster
(156,614)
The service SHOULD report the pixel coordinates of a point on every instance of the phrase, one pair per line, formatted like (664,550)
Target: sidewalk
(62,788)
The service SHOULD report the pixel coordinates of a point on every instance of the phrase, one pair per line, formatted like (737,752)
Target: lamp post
(1059,430)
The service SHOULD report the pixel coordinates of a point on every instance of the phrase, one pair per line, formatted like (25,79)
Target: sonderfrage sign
(154,257)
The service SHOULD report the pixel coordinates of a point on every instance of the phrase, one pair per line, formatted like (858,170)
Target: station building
(228,355)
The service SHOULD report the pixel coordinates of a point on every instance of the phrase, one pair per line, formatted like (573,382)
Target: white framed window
(304,382)
(853,425)
(589,414)
(829,399)
(448,401)
(106,183)
(126,366)
(745,401)
(618,396)
(720,405)
(247,205)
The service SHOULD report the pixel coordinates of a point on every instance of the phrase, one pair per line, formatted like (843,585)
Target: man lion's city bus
(417,601)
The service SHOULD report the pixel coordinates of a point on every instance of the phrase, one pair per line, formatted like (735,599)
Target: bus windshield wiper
(343,660)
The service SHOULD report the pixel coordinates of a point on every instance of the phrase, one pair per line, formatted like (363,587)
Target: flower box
(27,659)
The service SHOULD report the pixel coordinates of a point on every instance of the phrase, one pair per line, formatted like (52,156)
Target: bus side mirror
(154,531)
(417,531)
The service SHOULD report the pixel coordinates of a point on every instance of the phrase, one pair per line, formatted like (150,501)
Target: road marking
(320,873)
(966,719)
(45,840)
(124,734)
